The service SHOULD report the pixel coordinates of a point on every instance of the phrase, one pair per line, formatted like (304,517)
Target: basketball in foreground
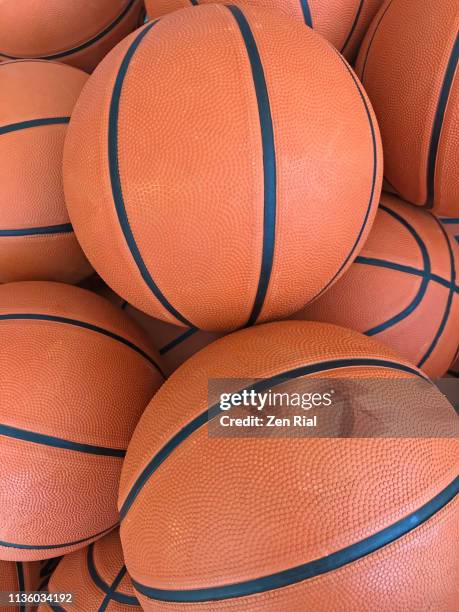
(267,523)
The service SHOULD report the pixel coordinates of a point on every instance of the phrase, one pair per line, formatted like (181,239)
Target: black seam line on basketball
(213,411)
(32,123)
(115,177)
(57,608)
(84,325)
(438,122)
(21,581)
(450,221)
(370,44)
(49,567)
(354,25)
(55,546)
(45,440)
(109,596)
(449,303)
(177,341)
(102,585)
(390,265)
(373,181)
(194,2)
(311,569)
(427,269)
(269,161)
(85,45)
(43,584)
(63,228)
(306,13)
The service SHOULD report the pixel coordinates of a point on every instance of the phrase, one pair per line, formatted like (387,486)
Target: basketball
(75,375)
(196,509)
(210,236)
(97,577)
(16,577)
(173,343)
(77,33)
(36,238)
(402,289)
(408,66)
(341,22)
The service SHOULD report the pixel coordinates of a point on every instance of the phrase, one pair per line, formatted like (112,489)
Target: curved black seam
(63,228)
(112,590)
(45,440)
(450,297)
(194,2)
(425,277)
(178,340)
(115,177)
(354,25)
(157,460)
(85,45)
(438,122)
(314,568)
(306,13)
(55,546)
(49,567)
(373,183)
(370,44)
(56,608)
(32,123)
(269,161)
(391,265)
(102,585)
(84,325)
(21,582)
(450,220)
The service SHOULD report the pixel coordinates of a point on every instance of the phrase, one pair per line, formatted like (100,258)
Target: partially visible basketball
(341,22)
(97,577)
(402,289)
(37,241)
(293,522)
(408,65)
(451,225)
(198,189)
(75,375)
(173,343)
(77,33)
(18,576)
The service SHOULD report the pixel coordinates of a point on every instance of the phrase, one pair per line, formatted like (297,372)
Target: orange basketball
(36,239)
(402,289)
(75,376)
(198,189)
(16,577)
(266,523)
(451,225)
(77,33)
(97,577)
(173,343)
(342,22)
(408,65)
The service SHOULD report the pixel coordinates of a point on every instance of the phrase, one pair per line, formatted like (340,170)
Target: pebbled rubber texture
(79,34)
(151,259)
(408,64)
(191,524)
(75,378)
(403,288)
(36,238)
